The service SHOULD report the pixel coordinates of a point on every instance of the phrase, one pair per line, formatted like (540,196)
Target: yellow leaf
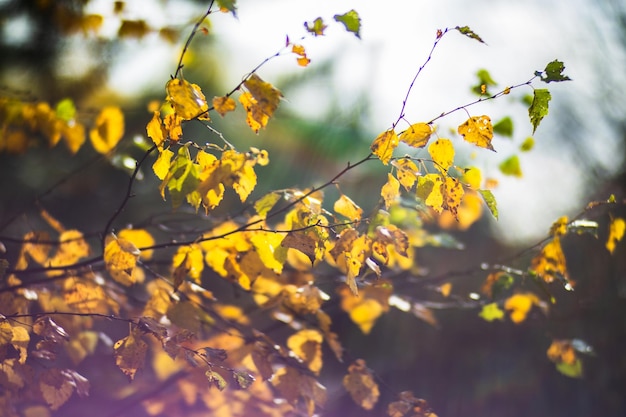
(429,189)
(130,353)
(108,129)
(550,263)
(562,351)
(453,193)
(417,135)
(467,214)
(187,99)
(442,153)
(74,135)
(268,246)
(384,145)
(246,181)
(223,105)
(407,172)
(307,345)
(120,258)
(491,312)
(140,238)
(390,191)
(616,233)
(346,207)
(266,96)
(445,289)
(559,227)
(478,130)
(20,340)
(162,166)
(172,124)
(520,305)
(472,177)
(360,383)
(255,117)
(155,130)
(72,247)
(190,260)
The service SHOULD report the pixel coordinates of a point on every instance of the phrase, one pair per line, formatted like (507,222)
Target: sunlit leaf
(539,107)
(162,165)
(453,195)
(407,172)
(302,59)
(417,135)
(390,191)
(187,99)
(478,130)
(473,178)
(351,21)
(190,261)
(527,145)
(140,238)
(120,258)
(224,105)
(307,345)
(511,166)
(550,263)
(108,129)
(260,102)
(384,145)
(316,27)
(430,190)
(490,200)
(360,383)
(266,203)
(348,208)
(617,228)
(65,110)
(155,130)
(442,153)
(519,305)
(554,72)
(491,312)
(216,380)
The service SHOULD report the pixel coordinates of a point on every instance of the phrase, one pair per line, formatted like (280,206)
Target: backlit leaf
(472,177)
(187,99)
(351,21)
(120,258)
(307,345)
(302,59)
(360,383)
(407,172)
(429,189)
(384,145)
(539,107)
(511,166)
(490,200)
(266,203)
(224,105)
(554,72)
(491,312)
(65,110)
(216,380)
(527,145)
(550,264)
(140,238)
(453,195)
(442,153)
(156,131)
(317,27)
(390,192)
(108,129)
(504,127)
(190,260)
(346,207)
(417,135)
(478,130)
(519,305)
(261,102)
(162,165)
(616,233)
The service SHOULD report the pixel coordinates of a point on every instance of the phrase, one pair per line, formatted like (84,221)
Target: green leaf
(216,379)
(243,379)
(511,166)
(184,177)
(504,127)
(484,78)
(465,30)
(527,145)
(503,283)
(554,72)
(228,5)
(574,370)
(351,21)
(539,107)
(491,312)
(490,200)
(317,28)
(65,110)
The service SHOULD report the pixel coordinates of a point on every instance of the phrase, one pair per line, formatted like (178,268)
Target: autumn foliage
(151,304)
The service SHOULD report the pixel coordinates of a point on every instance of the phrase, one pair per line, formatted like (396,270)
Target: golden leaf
(130,353)
(72,247)
(453,193)
(108,129)
(140,238)
(472,177)
(407,172)
(307,345)
(390,192)
(429,189)
(266,96)
(520,305)
(346,207)
(478,130)
(245,183)
(384,145)
(559,227)
(442,153)
(255,117)
(162,166)
(360,383)
(190,260)
(223,105)
(616,233)
(172,123)
(155,130)
(120,258)
(550,263)
(187,99)
(417,135)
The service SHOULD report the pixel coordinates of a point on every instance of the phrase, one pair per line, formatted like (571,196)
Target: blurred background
(353,90)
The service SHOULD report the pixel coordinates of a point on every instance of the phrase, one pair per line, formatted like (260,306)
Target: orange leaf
(224,105)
